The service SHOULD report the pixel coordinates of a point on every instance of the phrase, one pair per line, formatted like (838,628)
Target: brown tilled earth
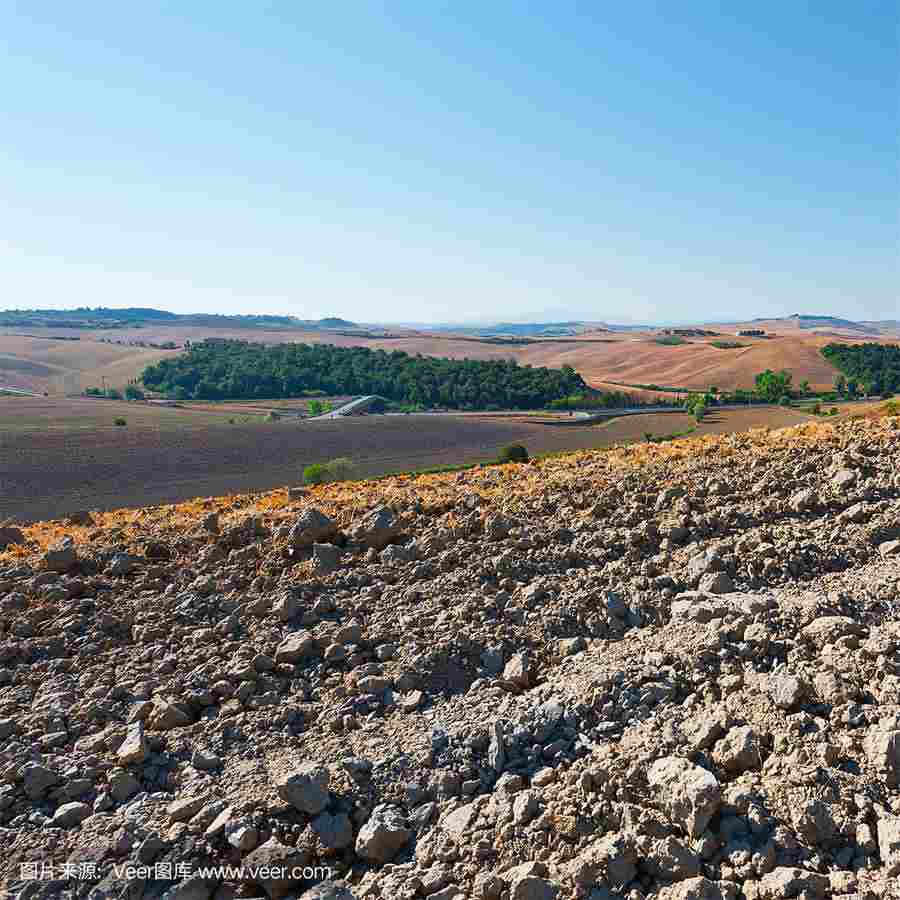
(58,456)
(659,671)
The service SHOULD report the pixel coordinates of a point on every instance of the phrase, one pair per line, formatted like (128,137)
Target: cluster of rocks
(584,678)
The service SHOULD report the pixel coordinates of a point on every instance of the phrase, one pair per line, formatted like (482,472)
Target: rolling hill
(602,358)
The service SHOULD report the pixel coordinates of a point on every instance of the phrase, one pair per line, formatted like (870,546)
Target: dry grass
(65,367)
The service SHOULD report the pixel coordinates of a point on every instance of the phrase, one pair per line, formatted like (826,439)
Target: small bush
(340,469)
(648,436)
(785,400)
(833,411)
(514,453)
(670,340)
(315,474)
(120,422)
(727,345)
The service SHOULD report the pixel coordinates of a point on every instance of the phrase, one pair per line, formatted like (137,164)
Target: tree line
(220,370)
(873,367)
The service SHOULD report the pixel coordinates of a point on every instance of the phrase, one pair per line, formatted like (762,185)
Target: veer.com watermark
(166,871)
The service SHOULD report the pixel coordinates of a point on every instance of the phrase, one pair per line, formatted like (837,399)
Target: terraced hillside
(658,671)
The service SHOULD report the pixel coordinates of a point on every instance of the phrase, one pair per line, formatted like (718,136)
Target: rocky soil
(665,672)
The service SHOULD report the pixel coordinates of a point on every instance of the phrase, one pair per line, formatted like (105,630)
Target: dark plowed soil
(58,456)
(49,473)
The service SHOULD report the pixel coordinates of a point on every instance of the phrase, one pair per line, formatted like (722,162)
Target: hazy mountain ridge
(135,317)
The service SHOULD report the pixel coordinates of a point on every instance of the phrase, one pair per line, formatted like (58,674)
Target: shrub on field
(315,474)
(340,469)
(119,421)
(514,453)
(133,392)
(695,406)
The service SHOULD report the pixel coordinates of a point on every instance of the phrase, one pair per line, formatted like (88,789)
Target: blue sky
(414,161)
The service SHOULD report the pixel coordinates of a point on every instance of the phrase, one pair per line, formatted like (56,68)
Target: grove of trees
(600,400)
(873,367)
(219,370)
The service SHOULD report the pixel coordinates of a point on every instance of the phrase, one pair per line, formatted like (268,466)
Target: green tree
(695,406)
(772,386)
(873,367)
(133,392)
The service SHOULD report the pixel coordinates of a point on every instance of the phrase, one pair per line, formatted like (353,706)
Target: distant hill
(808,322)
(334,323)
(528,329)
(536,329)
(135,317)
(513,329)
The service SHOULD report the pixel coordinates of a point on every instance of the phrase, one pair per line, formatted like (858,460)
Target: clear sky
(428,161)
